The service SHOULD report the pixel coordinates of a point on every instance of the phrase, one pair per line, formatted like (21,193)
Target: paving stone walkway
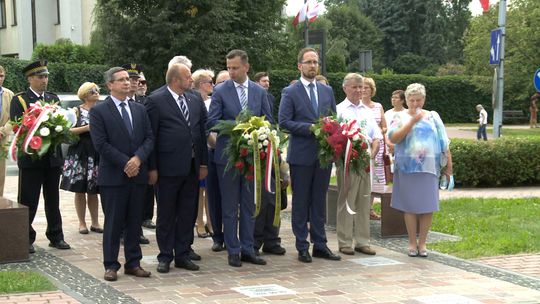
(389,277)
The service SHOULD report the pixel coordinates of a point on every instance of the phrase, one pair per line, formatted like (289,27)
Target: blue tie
(184,108)
(313,98)
(243,97)
(125,118)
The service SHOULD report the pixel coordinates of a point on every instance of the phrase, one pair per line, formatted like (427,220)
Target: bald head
(179,78)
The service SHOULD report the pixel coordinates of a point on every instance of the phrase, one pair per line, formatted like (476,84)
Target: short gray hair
(181,59)
(109,74)
(414,89)
(352,77)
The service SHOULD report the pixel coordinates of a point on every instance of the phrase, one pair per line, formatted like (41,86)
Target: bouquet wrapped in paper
(253,151)
(342,142)
(40,128)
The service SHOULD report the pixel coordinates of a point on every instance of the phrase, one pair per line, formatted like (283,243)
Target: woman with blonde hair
(369,91)
(203,83)
(81,165)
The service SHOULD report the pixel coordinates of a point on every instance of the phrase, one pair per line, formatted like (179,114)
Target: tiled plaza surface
(78,273)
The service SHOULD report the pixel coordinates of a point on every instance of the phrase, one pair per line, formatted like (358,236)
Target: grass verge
(508,132)
(23,281)
(488,227)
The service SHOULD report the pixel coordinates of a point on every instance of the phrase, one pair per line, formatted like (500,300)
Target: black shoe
(60,245)
(278,250)
(256,251)
(163,267)
(218,246)
(234,260)
(149,224)
(304,257)
(194,256)
(186,264)
(31,249)
(325,253)
(143,240)
(252,258)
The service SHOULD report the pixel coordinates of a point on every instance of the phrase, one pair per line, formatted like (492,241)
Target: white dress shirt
(117,103)
(363,116)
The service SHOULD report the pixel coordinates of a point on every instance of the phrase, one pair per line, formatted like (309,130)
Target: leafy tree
(351,31)
(410,63)
(429,28)
(152,32)
(521,49)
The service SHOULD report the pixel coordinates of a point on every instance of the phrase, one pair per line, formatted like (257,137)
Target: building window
(2,13)
(57,12)
(14,7)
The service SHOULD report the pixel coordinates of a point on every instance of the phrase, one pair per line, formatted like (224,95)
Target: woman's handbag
(388,175)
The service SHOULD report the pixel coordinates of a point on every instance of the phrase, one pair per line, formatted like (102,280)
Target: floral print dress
(81,165)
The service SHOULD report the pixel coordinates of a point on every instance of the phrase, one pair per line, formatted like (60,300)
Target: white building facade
(25,23)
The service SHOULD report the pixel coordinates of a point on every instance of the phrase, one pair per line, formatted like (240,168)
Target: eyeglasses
(310,62)
(208,81)
(142,82)
(121,79)
(94,91)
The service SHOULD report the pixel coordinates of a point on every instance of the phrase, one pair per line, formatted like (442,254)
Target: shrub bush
(502,162)
(67,52)
(453,97)
(62,78)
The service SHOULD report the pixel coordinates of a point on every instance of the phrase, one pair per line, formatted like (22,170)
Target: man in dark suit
(177,163)
(43,172)
(301,105)
(122,136)
(266,235)
(134,70)
(228,99)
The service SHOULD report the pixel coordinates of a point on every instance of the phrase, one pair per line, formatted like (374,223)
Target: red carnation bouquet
(41,128)
(342,142)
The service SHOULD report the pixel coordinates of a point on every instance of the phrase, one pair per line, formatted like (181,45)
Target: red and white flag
(309,10)
(485,5)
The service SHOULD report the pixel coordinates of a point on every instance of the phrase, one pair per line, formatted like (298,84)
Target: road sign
(537,80)
(495,50)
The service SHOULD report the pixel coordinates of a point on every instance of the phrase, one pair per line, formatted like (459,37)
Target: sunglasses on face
(142,82)
(94,91)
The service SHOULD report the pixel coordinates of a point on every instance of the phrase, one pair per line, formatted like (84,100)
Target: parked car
(68,100)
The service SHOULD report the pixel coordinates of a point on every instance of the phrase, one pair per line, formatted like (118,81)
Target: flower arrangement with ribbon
(40,128)
(253,151)
(344,143)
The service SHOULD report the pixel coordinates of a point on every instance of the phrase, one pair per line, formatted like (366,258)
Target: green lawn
(507,131)
(23,281)
(489,227)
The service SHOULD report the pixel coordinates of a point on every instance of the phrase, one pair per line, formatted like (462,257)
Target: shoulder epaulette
(23,103)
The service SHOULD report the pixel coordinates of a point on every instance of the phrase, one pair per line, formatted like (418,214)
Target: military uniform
(33,174)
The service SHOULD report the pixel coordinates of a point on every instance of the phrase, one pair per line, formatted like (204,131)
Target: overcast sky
(293,6)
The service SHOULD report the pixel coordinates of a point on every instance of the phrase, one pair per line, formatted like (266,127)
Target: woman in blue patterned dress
(421,150)
(81,165)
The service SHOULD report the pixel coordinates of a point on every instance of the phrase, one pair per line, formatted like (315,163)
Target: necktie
(313,98)
(125,118)
(243,97)
(184,108)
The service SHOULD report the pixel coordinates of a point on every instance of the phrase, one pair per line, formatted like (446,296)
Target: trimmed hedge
(502,162)
(62,78)
(453,97)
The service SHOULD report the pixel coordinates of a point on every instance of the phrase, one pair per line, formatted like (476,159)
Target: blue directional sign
(495,49)
(537,80)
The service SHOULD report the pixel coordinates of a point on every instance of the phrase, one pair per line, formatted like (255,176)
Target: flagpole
(306,25)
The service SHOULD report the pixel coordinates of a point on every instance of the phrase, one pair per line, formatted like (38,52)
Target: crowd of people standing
(134,149)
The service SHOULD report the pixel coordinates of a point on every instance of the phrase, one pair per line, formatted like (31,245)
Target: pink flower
(35,142)
(29,121)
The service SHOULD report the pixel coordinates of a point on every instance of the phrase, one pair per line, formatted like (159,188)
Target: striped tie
(243,97)
(184,108)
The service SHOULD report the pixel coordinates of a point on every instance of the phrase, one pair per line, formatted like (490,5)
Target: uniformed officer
(33,174)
